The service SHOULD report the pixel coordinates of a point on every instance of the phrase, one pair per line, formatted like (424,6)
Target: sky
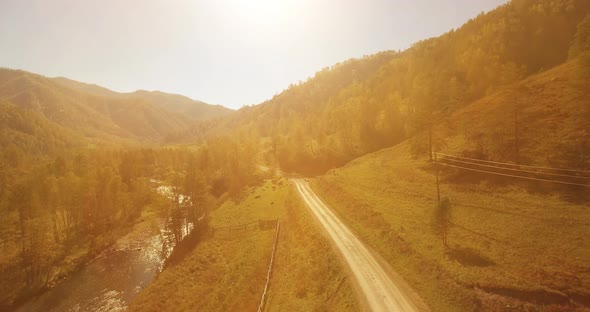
(228,52)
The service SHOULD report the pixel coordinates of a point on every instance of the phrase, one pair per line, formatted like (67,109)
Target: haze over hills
(97,113)
(194,109)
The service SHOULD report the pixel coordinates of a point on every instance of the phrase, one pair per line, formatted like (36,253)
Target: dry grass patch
(227,272)
(526,249)
(308,275)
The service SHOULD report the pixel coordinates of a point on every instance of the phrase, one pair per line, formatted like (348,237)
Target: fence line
(260,225)
(268,274)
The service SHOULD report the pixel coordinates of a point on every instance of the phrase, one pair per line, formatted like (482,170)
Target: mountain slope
(174,103)
(98,113)
(549,112)
(196,110)
(506,246)
(360,106)
(498,225)
(24,133)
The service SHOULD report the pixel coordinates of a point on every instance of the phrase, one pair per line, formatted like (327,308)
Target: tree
(195,186)
(581,42)
(442,213)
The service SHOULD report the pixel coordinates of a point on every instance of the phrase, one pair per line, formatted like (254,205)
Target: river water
(112,280)
(109,282)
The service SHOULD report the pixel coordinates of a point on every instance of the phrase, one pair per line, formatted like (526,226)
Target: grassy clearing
(218,275)
(513,247)
(227,272)
(263,202)
(307,276)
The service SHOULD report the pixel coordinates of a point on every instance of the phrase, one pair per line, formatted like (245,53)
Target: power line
(475,232)
(409,162)
(518,170)
(514,176)
(509,164)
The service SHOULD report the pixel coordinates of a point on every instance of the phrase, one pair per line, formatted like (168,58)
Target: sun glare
(263,12)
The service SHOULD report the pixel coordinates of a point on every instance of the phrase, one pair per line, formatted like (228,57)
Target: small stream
(112,280)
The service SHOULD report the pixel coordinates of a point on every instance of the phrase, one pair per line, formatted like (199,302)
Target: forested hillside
(60,212)
(76,175)
(362,105)
(193,109)
(542,120)
(98,114)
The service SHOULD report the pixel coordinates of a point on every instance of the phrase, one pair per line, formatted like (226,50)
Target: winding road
(381,293)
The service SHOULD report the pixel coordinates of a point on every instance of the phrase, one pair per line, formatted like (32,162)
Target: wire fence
(253,226)
(270,265)
(259,225)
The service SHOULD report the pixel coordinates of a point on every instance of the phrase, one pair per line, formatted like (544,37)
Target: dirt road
(381,293)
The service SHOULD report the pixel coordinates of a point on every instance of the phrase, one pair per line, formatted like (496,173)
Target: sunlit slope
(193,109)
(509,246)
(511,242)
(29,131)
(549,112)
(57,104)
(174,103)
(101,114)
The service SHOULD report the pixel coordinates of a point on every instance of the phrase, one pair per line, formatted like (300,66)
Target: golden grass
(307,276)
(218,275)
(227,272)
(514,240)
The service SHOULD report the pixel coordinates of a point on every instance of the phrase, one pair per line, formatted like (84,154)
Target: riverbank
(85,285)
(227,271)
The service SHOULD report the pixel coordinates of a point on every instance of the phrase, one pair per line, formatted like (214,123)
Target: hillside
(174,103)
(27,131)
(99,114)
(361,105)
(549,112)
(193,109)
(498,224)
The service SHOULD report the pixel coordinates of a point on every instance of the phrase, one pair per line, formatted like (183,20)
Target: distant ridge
(68,113)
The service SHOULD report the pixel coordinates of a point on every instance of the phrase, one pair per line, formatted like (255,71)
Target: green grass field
(227,272)
(509,248)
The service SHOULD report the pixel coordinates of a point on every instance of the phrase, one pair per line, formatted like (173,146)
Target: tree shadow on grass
(184,247)
(469,257)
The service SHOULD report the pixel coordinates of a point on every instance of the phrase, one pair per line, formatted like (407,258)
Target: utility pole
(430,140)
(437,180)
(517,145)
(439,205)
(437,187)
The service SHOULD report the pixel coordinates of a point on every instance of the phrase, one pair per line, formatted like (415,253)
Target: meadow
(226,271)
(508,245)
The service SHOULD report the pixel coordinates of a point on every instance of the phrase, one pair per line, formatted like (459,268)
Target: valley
(450,175)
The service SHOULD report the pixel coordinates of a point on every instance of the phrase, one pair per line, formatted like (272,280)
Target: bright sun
(265,12)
